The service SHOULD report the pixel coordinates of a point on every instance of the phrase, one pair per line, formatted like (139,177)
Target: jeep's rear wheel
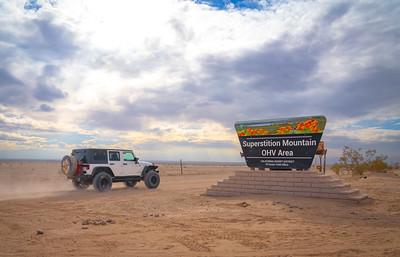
(79,184)
(152,179)
(102,181)
(130,183)
(68,166)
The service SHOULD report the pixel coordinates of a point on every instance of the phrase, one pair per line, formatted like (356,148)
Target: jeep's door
(130,165)
(115,162)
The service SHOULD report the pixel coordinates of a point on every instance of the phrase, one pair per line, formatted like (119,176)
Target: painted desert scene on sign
(43,215)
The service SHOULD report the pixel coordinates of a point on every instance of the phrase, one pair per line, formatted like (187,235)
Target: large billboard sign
(280,143)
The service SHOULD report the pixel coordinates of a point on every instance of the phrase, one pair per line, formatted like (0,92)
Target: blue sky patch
(32,5)
(237,4)
(393,124)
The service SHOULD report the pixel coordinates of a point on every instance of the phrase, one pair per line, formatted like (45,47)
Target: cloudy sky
(169,78)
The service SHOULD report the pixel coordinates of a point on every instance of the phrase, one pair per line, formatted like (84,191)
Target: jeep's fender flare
(100,169)
(149,168)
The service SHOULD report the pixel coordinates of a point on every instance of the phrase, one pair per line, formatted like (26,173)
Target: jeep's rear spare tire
(102,181)
(68,166)
(152,179)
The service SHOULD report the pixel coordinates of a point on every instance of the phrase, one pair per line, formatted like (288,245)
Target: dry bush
(357,161)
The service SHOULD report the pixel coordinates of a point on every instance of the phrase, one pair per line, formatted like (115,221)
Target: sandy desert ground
(177,220)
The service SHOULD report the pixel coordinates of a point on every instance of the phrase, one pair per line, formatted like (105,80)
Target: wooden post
(320,163)
(181,166)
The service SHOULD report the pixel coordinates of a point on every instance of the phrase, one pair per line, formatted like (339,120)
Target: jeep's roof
(108,149)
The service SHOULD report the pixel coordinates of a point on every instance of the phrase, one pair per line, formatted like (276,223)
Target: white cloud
(176,71)
(367,135)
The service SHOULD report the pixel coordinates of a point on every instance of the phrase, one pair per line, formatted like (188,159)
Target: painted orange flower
(285,129)
(314,123)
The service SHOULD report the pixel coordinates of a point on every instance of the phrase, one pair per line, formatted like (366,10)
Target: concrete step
(351,195)
(339,195)
(242,188)
(295,183)
(331,183)
(249,184)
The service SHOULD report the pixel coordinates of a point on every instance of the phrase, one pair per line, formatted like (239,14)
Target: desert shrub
(357,161)
(352,159)
(336,168)
(376,162)
(379,165)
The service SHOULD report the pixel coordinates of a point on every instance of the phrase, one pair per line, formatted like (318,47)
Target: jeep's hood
(145,163)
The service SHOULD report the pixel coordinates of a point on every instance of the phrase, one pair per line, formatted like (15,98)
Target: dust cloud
(30,179)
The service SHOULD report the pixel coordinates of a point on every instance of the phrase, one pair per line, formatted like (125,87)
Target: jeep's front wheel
(130,183)
(102,181)
(151,179)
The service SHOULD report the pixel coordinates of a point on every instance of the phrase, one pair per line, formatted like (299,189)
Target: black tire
(68,166)
(151,179)
(102,182)
(79,184)
(130,183)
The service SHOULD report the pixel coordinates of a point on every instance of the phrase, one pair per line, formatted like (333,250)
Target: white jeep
(102,167)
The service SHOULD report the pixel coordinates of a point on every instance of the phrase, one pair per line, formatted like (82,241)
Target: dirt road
(176,220)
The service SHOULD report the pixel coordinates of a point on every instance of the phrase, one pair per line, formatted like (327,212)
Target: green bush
(357,161)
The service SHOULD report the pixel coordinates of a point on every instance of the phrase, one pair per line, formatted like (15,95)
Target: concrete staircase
(295,183)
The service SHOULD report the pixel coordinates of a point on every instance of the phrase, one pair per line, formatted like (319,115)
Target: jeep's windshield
(128,156)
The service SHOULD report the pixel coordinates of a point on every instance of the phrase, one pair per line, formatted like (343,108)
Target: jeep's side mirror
(135,159)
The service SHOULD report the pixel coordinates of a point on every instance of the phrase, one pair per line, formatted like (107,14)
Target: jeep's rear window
(99,155)
(80,155)
(95,156)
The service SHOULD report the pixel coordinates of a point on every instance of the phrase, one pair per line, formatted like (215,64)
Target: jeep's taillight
(82,168)
(85,167)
